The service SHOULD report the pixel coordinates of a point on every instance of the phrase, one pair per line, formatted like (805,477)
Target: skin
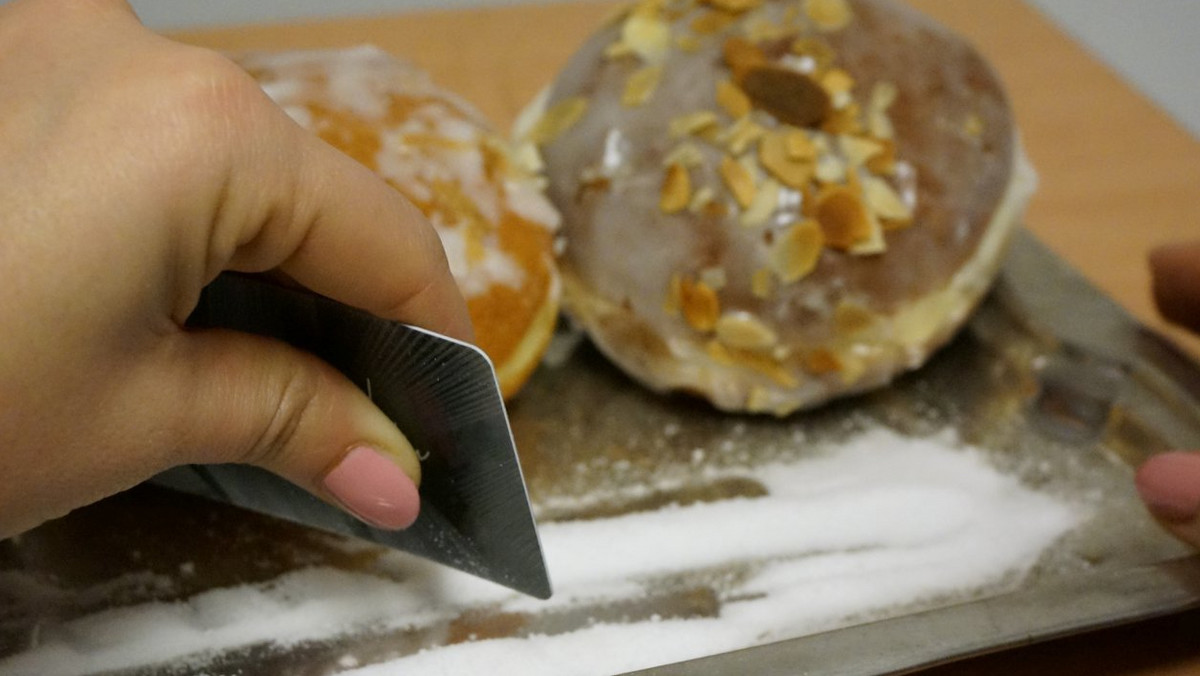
(134,170)
(1169,483)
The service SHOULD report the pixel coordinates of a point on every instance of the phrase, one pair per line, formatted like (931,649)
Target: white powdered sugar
(875,527)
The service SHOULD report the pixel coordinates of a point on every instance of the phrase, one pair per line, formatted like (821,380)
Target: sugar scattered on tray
(877,526)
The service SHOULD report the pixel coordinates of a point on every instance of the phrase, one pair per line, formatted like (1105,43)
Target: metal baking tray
(1058,384)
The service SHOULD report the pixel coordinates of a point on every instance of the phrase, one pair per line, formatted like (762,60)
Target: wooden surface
(1118,177)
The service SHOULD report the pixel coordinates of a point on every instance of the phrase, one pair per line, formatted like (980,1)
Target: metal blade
(442,393)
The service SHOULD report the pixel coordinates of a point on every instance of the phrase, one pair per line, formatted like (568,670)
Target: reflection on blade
(442,393)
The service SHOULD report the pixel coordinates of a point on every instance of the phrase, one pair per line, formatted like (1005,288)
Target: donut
(773,203)
(486,203)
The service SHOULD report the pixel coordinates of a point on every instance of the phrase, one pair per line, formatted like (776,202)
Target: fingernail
(373,488)
(1169,484)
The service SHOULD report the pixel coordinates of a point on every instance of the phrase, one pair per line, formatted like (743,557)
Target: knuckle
(290,400)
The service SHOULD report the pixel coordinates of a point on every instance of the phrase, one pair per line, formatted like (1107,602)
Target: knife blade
(442,393)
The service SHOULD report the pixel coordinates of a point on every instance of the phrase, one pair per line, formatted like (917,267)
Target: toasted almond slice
(817,49)
(884,202)
(774,156)
(859,150)
(741,330)
(741,55)
(874,243)
(798,145)
(795,254)
(973,125)
(829,15)
(692,123)
(822,360)
(703,198)
(741,134)
(762,283)
(732,99)
(640,85)
(700,305)
(766,199)
(676,190)
(844,120)
(733,6)
(558,118)
(686,154)
(647,35)
(739,180)
(850,318)
(837,81)
(844,218)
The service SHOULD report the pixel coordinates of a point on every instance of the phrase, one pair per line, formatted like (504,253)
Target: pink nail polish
(373,488)
(1169,484)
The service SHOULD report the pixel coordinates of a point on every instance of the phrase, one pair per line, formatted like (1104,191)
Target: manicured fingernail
(373,488)
(1169,484)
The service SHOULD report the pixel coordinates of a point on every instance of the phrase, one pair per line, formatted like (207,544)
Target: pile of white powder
(882,522)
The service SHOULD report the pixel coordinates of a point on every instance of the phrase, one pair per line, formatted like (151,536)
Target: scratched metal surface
(1061,387)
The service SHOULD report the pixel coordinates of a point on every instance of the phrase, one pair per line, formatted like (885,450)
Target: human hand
(134,170)
(1169,483)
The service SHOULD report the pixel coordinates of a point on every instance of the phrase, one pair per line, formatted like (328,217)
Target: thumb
(257,401)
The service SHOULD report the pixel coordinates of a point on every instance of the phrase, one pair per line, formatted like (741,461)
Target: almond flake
(837,81)
(692,123)
(739,180)
(647,35)
(743,331)
(859,150)
(557,119)
(700,305)
(733,6)
(844,120)
(766,199)
(792,97)
(845,220)
(830,169)
(641,85)
(686,154)
(774,156)
(796,252)
(850,318)
(676,190)
(822,360)
(741,134)
(798,145)
(704,197)
(829,15)
(732,99)
(741,55)
(816,49)
(884,202)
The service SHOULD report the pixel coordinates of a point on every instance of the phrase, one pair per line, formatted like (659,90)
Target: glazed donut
(495,224)
(772,203)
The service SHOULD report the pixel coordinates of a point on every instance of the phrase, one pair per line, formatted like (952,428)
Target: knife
(442,393)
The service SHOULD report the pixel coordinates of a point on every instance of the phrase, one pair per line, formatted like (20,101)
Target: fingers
(292,202)
(252,400)
(1175,273)
(1169,484)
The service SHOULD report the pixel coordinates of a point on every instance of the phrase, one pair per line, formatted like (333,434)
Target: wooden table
(1118,177)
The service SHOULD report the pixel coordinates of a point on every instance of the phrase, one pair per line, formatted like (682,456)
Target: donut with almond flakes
(772,203)
(495,224)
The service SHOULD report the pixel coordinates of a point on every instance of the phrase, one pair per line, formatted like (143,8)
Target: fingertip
(373,487)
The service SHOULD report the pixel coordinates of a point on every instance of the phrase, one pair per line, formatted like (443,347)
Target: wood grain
(1118,177)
